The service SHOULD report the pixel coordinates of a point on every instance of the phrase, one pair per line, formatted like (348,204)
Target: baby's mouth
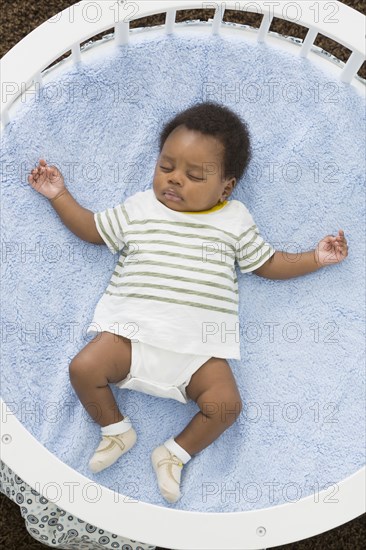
(172,196)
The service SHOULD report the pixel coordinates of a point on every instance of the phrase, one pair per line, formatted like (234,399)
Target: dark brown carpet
(17,19)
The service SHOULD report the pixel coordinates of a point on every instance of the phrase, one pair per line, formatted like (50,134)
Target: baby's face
(190,166)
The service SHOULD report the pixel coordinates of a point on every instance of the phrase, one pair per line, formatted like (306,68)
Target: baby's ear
(229,186)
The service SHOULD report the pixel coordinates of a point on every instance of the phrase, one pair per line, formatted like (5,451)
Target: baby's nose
(175,178)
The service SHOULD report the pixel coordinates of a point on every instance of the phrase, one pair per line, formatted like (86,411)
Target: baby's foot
(168,469)
(111,448)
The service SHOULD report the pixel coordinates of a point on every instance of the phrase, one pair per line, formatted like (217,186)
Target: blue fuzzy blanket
(302,374)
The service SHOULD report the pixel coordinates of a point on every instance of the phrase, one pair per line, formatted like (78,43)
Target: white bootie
(168,469)
(111,448)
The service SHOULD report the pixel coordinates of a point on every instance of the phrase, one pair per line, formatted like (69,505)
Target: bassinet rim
(252,530)
(22,71)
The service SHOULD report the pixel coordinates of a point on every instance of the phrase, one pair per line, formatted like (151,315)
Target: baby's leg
(105,359)
(213,388)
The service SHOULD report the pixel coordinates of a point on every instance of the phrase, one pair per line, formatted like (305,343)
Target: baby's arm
(283,265)
(49,181)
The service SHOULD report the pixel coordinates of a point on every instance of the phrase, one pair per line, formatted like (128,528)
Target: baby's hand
(332,250)
(47,180)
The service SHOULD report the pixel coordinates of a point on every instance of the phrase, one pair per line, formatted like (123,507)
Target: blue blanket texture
(302,373)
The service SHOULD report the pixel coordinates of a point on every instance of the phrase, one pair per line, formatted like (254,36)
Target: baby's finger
(53,171)
(32,181)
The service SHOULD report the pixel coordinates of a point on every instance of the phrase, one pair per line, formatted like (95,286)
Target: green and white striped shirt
(175,284)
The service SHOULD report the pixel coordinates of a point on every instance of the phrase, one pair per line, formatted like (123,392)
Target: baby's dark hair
(221,122)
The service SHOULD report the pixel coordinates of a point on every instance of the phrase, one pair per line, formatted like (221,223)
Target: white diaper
(161,372)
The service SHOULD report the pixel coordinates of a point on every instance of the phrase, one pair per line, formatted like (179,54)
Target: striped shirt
(175,285)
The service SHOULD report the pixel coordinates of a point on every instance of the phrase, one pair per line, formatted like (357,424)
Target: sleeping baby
(166,323)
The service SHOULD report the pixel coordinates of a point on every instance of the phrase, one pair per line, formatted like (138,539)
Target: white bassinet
(27,66)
